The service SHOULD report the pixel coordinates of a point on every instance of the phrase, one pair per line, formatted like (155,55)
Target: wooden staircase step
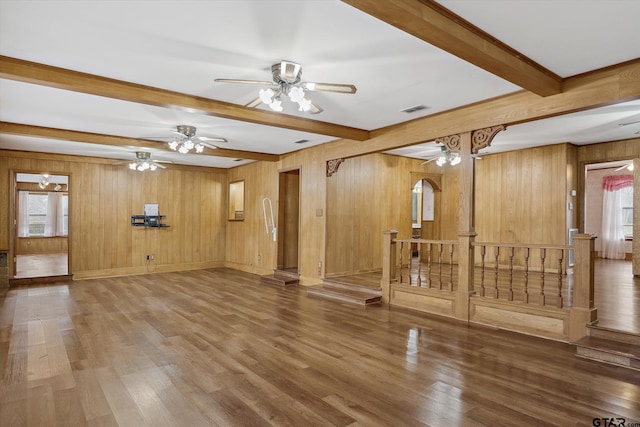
(614,334)
(609,351)
(337,284)
(279,281)
(354,296)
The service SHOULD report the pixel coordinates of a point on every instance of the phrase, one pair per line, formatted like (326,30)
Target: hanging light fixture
(143,162)
(186,140)
(449,157)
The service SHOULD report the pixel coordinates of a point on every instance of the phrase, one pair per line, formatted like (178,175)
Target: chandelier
(186,140)
(447,156)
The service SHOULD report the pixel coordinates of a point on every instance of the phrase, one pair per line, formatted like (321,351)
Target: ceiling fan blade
(251,82)
(206,138)
(625,166)
(254,103)
(330,87)
(157,163)
(629,123)
(213,147)
(315,109)
(428,161)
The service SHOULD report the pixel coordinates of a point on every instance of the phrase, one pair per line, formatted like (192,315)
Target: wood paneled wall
(521,196)
(102,198)
(41,245)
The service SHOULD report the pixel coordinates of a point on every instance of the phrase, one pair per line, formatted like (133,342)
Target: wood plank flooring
(214,347)
(41,265)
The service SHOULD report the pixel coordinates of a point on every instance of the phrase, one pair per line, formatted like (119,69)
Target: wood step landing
(26,281)
(281,278)
(346,292)
(610,346)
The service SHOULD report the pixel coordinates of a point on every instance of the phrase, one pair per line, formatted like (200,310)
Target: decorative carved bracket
(482,138)
(452,142)
(333,165)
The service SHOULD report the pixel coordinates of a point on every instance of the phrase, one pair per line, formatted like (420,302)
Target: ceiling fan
(186,140)
(444,157)
(287,81)
(143,162)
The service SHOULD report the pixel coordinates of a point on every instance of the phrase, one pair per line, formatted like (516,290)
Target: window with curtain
(43,214)
(617,215)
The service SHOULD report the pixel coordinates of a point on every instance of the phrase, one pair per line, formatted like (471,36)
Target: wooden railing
(433,265)
(517,269)
(521,287)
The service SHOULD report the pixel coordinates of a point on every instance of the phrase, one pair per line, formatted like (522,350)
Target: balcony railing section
(428,263)
(532,274)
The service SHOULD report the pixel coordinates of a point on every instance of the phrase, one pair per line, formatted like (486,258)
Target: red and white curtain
(612,218)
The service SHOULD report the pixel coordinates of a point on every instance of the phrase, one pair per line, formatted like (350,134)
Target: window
(43,214)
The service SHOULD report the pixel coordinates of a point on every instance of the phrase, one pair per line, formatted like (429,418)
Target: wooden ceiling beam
(46,75)
(438,26)
(120,141)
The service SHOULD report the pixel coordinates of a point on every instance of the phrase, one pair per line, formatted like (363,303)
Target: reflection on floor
(41,265)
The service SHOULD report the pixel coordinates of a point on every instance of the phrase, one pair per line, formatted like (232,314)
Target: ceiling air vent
(301,141)
(414,109)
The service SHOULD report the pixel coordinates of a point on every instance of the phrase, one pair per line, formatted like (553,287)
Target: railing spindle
(543,255)
(483,250)
(451,267)
(440,266)
(496,267)
(525,296)
(510,293)
(560,260)
(419,279)
(401,252)
(429,261)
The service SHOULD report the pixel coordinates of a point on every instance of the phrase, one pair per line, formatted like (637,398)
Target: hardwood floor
(214,347)
(41,265)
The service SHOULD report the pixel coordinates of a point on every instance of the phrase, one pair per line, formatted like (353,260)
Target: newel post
(583,311)
(388,263)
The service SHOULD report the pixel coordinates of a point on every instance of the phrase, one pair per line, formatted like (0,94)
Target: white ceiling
(184,45)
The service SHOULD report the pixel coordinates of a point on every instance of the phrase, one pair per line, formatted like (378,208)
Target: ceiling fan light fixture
(296,94)
(276,105)
(305,104)
(266,95)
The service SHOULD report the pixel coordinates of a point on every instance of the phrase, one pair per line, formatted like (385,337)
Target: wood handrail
(444,242)
(522,245)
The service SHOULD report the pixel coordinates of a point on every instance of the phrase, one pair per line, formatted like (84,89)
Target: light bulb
(173,145)
(133,166)
(305,104)
(183,150)
(296,94)
(441,161)
(455,160)
(153,166)
(276,105)
(199,148)
(266,95)
(188,144)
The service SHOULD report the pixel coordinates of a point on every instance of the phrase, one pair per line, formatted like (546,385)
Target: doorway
(289,220)
(40,236)
(607,212)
